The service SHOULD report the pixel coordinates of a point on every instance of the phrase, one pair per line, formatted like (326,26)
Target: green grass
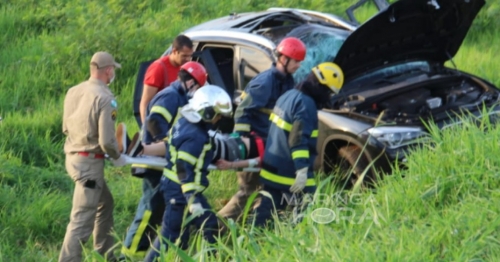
(443,207)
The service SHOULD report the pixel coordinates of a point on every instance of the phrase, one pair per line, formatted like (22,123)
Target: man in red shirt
(164,71)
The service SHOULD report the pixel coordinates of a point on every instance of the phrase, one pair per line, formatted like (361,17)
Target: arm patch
(247,101)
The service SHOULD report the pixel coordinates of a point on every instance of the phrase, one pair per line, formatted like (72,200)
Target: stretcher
(161,162)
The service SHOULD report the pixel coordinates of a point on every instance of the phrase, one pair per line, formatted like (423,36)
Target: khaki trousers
(248,183)
(92,210)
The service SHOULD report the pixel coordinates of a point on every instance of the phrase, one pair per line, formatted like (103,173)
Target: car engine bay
(410,102)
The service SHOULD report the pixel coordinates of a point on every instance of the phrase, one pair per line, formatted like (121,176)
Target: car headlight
(394,136)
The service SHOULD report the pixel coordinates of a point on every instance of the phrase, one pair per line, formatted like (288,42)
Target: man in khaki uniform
(89,126)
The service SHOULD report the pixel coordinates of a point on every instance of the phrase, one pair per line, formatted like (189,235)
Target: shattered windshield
(323,44)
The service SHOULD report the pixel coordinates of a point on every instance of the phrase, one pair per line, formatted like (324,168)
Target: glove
(121,161)
(196,209)
(300,180)
(194,206)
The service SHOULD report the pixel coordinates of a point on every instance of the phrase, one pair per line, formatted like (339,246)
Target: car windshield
(323,44)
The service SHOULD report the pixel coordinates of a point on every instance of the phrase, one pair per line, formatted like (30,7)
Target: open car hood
(426,30)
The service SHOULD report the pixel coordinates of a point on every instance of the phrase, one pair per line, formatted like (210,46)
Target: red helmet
(293,48)
(197,71)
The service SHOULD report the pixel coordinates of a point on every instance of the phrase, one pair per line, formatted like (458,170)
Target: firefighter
(185,175)
(287,169)
(252,115)
(162,115)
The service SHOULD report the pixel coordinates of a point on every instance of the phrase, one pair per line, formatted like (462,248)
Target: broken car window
(322,44)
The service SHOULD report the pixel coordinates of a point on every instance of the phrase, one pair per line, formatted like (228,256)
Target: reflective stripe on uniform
(192,187)
(282,124)
(283,180)
(173,154)
(177,116)
(243,95)
(137,255)
(171,175)
(300,154)
(132,250)
(197,171)
(266,111)
(162,111)
(242,127)
(186,157)
(147,167)
(186,187)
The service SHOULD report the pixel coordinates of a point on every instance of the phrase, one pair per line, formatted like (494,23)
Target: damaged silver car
(395,77)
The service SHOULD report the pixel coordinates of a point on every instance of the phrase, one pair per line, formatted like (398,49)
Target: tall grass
(443,207)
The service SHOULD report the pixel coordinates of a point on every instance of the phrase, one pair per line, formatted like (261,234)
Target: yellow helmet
(329,74)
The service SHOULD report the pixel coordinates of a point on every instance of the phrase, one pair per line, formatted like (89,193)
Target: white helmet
(207,102)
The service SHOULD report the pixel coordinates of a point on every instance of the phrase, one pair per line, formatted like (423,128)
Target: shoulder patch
(114,104)
(113,115)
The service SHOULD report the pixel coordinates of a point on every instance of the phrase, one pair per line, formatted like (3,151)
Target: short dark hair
(182,41)
(320,93)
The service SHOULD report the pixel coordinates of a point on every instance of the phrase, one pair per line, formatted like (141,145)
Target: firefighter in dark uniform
(185,176)
(162,113)
(287,169)
(252,115)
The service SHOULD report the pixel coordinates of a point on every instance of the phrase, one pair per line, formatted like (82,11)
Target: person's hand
(224,164)
(194,206)
(121,161)
(196,209)
(300,180)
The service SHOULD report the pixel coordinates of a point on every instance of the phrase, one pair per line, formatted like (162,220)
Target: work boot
(135,147)
(122,138)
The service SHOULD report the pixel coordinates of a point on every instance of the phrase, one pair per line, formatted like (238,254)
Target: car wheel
(352,164)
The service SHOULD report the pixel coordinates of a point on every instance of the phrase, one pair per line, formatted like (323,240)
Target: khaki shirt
(89,119)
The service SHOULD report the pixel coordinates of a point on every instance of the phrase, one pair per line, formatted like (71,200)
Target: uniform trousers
(148,216)
(174,225)
(279,200)
(92,210)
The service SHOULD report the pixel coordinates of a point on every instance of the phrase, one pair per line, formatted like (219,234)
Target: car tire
(352,164)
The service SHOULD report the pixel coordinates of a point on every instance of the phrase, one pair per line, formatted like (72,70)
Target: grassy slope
(445,208)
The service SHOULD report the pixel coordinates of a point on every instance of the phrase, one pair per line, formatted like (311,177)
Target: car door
(219,62)
(250,62)
(143,67)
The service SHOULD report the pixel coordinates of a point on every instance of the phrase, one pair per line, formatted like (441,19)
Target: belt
(92,155)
